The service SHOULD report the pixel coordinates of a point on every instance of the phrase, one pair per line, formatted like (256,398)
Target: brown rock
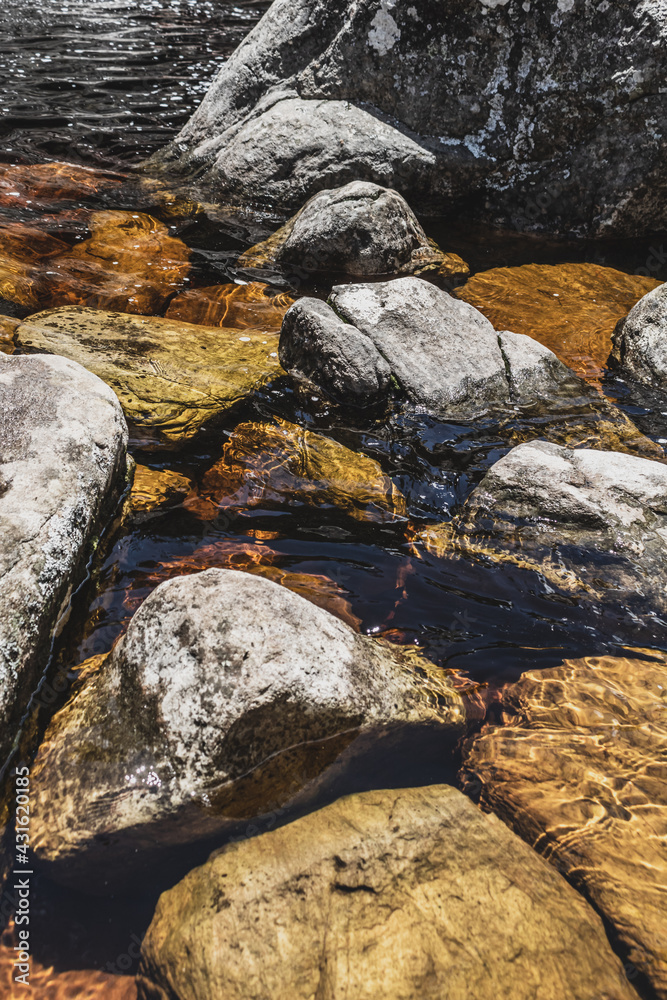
(580,772)
(170,377)
(254,305)
(152,488)
(285,464)
(396,894)
(129,263)
(570,308)
(46,185)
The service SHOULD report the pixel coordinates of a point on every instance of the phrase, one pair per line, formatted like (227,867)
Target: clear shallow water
(105,84)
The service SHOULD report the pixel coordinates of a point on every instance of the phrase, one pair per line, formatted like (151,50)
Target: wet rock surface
(400,893)
(580,772)
(570,308)
(552,126)
(63,444)
(640,340)
(285,465)
(228,697)
(170,377)
(360,229)
(592,523)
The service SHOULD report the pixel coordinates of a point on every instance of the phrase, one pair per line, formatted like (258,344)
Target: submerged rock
(442,355)
(361,230)
(62,469)
(581,773)
(45,186)
(154,488)
(227,698)
(593,523)
(570,308)
(171,377)
(129,263)
(640,340)
(251,306)
(281,463)
(534,114)
(408,893)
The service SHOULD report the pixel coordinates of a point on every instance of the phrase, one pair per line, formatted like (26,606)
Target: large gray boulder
(550,116)
(640,340)
(440,354)
(63,442)
(592,523)
(399,894)
(360,229)
(228,698)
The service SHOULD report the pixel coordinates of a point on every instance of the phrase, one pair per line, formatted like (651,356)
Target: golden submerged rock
(254,305)
(580,772)
(282,463)
(570,308)
(170,377)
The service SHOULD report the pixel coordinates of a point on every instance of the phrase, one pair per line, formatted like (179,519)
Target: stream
(102,85)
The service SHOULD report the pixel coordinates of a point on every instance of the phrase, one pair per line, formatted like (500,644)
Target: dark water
(105,84)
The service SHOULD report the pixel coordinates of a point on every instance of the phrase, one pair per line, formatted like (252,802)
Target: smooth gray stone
(640,340)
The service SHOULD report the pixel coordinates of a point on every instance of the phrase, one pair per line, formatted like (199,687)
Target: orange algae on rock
(570,308)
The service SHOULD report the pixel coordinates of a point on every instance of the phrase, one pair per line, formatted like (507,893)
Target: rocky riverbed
(332,561)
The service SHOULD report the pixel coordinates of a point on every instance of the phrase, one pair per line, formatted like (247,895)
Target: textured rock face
(442,354)
(250,698)
(553,115)
(640,340)
(283,464)
(171,377)
(570,308)
(359,229)
(62,468)
(581,774)
(594,523)
(411,893)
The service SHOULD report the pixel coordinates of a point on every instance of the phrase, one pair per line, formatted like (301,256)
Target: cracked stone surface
(252,699)
(546,116)
(399,894)
(63,442)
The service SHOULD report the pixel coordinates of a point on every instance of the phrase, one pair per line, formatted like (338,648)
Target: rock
(442,354)
(593,523)
(640,340)
(283,464)
(129,263)
(8,327)
(409,893)
(361,230)
(251,306)
(62,469)
(155,488)
(45,186)
(171,377)
(580,774)
(318,344)
(23,249)
(531,116)
(570,308)
(250,699)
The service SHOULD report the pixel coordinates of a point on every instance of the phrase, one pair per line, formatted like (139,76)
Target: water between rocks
(102,85)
